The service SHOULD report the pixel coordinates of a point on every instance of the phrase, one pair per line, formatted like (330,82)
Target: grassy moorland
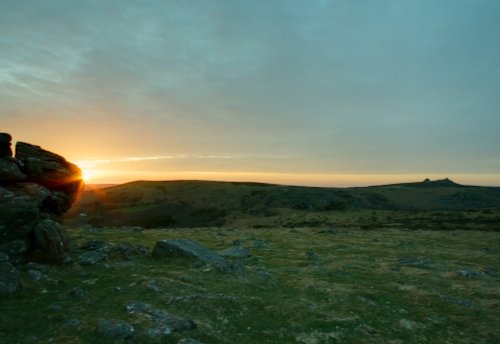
(202,203)
(302,284)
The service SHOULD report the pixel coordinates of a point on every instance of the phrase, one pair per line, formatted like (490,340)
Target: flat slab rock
(190,249)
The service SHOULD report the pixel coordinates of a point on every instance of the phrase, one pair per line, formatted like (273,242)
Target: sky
(316,92)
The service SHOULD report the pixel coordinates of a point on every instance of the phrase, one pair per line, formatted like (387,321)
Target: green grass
(302,286)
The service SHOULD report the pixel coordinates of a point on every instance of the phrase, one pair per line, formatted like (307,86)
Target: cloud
(338,85)
(98,162)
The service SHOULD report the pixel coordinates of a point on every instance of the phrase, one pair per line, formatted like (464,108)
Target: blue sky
(395,88)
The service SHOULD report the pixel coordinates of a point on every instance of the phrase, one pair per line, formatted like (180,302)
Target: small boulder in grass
(9,279)
(165,323)
(77,293)
(3,257)
(92,257)
(93,244)
(114,329)
(38,276)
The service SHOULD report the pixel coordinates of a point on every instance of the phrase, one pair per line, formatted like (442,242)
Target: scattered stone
(258,243)
(405,287)
(367,329)
(311,256)
(125,251)
(78,293)
(36,266)
(234,267)
(236,252)
(265,275)
(469,274)
(488,270)
(408,324)
(132,229)
(191,249)
(76,323)
(90,229)
(15,248)
(226,297)
(186,278)
(3,257)
(416,262)
(457,301)
(91,258)
(93,244)
(9,279)
(165,323)
(155,285)
(38,276)
(116,329)
(185,298)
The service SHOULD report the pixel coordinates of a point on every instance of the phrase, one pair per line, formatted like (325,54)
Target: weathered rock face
(36,188)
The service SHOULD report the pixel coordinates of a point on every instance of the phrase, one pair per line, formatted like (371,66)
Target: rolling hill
(201,203)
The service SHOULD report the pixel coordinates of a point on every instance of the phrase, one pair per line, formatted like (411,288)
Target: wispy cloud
(98,162)
(92,163)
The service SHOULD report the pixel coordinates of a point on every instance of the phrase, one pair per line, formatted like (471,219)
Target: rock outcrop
(36,188)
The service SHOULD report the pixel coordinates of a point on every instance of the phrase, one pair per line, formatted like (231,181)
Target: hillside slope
(200,203)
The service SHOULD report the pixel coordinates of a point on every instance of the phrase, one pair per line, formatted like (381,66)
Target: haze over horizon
(330,93)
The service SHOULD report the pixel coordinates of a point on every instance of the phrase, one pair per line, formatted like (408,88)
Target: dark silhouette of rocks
(36,188)
(5,149)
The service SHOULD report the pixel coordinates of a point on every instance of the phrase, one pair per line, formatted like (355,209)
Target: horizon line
(284,184)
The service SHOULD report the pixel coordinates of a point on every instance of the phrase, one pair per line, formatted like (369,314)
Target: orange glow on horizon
(303,179)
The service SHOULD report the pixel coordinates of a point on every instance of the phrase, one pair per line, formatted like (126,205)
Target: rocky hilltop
(36,188)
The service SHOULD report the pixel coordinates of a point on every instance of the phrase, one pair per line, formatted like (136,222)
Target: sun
(87,175)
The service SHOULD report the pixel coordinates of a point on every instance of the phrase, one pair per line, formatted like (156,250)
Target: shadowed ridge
(427,183)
